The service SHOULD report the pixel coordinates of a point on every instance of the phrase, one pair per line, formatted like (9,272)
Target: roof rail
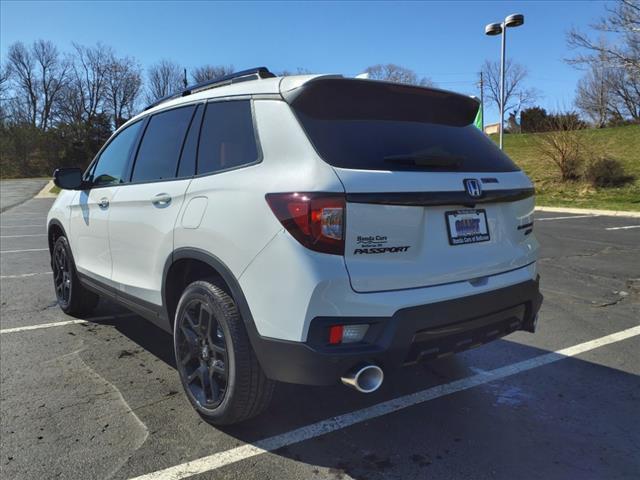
(250,74)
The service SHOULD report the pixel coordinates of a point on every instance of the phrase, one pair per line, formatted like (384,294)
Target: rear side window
(110,167)
(161,145)
(227,138)
(382,126)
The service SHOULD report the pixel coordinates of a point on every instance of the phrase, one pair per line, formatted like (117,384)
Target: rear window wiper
(425,160)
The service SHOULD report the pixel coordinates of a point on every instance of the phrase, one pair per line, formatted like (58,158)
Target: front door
(90,211)
(89,232)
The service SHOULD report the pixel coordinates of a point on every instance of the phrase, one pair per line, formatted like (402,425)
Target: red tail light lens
(316,220)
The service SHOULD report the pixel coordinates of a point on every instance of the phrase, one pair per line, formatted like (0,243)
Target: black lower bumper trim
(410,335)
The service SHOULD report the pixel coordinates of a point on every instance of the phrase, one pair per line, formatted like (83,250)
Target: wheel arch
(54,231)
(206,265)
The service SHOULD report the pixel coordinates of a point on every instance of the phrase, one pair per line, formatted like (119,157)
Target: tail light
(316,220)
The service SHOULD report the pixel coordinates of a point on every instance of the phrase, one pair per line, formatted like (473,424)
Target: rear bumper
(410,335)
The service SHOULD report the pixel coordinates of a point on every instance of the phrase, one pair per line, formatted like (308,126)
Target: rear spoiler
(331,97)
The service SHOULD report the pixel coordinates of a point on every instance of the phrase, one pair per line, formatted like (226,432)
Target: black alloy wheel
(202,355)
(62,275)
(73,298)
(218,368)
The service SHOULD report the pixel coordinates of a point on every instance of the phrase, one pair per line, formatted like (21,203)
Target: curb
(588,211)
(45,192)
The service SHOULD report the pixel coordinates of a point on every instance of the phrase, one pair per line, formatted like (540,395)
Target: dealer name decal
(376,244)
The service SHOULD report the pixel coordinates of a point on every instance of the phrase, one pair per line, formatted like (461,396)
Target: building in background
(492,128)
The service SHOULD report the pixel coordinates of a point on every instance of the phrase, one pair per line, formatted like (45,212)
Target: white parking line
(66,322)
(24,275)
(628,227)
(227,457)
(42,325)
(564,218)
(30,235)
(26,250)
(19,215)
(23,226)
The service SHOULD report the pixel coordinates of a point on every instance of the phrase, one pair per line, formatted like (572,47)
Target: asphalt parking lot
(101,398)
(14,192)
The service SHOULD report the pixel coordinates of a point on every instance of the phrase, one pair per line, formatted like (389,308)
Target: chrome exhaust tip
(365,379)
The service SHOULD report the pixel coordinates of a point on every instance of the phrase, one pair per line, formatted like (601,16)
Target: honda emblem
(473,187)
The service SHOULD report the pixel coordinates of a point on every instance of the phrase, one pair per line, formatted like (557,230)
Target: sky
(444,41)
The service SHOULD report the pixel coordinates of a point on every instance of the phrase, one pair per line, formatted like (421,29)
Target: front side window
(110,167)
(227,138)
(161,144)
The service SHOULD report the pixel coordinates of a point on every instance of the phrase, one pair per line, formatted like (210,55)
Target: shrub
(563,145)
(534,119)
(606,172)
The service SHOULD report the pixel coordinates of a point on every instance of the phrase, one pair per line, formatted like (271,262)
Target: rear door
(430,198)
(144,212)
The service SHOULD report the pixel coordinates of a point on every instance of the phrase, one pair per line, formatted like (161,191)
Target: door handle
(104,203)
(161,200)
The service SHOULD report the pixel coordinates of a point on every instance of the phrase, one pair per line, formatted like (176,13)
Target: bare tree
(22,69)
(398,74)
(624,88)
(622,22)
(4,79)
(516,94)
(123,83)
(84,96)
(593,94)
(4,88)
(210,72)
(298,71)
(53,77)
(39,75)
(164,78)
(617,49)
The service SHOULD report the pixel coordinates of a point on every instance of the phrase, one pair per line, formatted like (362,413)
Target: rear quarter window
(227,137)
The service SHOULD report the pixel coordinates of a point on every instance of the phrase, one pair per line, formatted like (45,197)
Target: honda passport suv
(306,229)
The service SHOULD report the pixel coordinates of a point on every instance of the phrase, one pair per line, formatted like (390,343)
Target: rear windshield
(381,126)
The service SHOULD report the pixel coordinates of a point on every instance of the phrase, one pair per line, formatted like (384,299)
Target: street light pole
(514,20)
(502,59)
(482,99)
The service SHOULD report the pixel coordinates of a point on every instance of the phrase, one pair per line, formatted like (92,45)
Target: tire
(219,371)
(71,296)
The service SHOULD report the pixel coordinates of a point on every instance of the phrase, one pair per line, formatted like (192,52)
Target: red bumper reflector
(335,334)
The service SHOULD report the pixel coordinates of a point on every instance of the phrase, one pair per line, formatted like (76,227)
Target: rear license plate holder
(467,226)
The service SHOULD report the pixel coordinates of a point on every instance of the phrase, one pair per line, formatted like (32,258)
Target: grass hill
(622,143)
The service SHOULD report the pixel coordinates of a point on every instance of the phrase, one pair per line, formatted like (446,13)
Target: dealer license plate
(467,226)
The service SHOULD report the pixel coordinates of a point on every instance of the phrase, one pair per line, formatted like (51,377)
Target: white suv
(304,229)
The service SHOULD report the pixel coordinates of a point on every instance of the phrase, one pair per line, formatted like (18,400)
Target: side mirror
(68,178)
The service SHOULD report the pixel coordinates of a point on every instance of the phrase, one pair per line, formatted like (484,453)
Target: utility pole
(482,100)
